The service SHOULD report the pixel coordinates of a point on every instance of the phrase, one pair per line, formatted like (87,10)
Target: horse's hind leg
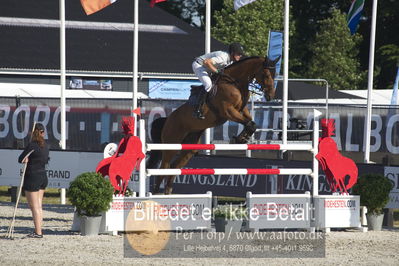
(167,157)
(183,158)
(158,182)
(180,162)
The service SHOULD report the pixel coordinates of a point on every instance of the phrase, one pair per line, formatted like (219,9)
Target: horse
(228,102)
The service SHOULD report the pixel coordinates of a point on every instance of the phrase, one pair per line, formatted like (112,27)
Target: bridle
(260,88)
(252,84)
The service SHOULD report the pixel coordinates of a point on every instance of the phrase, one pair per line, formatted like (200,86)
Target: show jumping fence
(144,173)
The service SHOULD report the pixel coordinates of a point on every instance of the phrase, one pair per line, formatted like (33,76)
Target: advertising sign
(393,174)
(337,211)
(63,167)
(279,211)
(91,124)
(85,84)
(170,89)
(180,212)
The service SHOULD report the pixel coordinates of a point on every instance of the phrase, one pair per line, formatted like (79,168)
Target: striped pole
(230,171)
(230,147)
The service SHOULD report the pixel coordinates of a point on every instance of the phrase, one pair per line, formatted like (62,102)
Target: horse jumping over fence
(228,103)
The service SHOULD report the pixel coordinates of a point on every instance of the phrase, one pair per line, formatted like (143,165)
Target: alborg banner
(93,123)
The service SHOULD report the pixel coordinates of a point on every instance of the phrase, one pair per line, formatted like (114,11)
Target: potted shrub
(229,218)
(91,194)
(374,192)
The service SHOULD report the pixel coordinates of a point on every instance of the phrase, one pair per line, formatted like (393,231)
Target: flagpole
(370,84)
(208,26)
(135,58)
(285,74)
(207,50)
(63,84)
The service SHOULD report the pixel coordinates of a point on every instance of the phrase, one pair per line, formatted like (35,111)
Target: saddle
(195,89)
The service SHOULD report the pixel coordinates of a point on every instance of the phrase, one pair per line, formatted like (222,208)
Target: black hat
(236,48)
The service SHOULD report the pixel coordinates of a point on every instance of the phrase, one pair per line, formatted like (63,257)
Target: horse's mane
(242,61)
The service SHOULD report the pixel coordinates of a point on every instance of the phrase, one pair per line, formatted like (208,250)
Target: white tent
(379,97)
(54,91)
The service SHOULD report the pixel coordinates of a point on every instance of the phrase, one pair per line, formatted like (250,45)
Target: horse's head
(265,77)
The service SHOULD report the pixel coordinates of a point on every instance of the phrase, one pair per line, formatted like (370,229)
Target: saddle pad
(194,92)
(193,99)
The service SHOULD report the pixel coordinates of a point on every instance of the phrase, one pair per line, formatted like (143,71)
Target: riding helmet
(236,48)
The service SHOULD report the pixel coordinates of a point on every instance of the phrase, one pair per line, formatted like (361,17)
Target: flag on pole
(92,6)
(354,15)
(241,3)
(153,2)
(275,49)
(394,99)
(137,111)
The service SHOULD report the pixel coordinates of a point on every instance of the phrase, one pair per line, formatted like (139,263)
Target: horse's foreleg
(183,158)
(246,133)
(247,114)
(231,113)
(243,118)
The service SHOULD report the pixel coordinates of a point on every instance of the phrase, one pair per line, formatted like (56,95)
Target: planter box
(185,212)
(223,225)
(90,225)
(374,222)
(341,211)
(278,211)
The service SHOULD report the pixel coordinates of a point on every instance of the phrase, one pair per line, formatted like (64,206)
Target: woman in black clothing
(35,180)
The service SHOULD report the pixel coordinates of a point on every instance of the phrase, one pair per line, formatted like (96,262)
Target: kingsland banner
(65,166)
(93,123)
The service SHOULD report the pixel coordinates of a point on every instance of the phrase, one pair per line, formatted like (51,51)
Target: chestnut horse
(228,103)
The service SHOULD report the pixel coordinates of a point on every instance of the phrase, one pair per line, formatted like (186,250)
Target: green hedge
(374,192)
(91,194)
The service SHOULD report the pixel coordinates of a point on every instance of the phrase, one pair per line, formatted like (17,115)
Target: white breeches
(202,75)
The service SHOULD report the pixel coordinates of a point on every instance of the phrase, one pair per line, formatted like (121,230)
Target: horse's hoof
(168,191)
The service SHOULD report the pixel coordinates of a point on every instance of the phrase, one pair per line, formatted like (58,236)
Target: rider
(207,64)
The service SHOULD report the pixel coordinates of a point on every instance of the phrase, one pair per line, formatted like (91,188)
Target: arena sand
(60,246)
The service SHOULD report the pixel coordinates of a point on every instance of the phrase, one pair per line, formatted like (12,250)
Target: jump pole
(314,173)
(142,171)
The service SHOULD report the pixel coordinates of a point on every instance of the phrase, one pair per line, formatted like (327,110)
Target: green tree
(386,40)
(303,25)
(335,54)
(387,62)
(250,25)
(306,14)
(191,11)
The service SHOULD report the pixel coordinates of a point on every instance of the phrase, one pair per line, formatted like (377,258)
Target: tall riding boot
(200,102)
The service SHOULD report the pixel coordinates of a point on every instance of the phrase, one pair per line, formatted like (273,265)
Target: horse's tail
(156,132)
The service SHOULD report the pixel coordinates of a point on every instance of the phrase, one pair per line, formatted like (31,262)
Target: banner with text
(93,123)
